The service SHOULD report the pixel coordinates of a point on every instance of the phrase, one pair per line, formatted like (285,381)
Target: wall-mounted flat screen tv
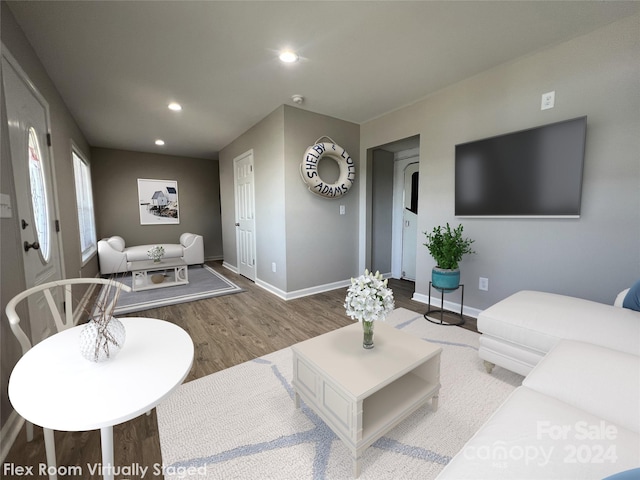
(529,173)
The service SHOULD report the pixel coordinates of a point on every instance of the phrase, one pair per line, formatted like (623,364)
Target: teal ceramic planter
(443,279)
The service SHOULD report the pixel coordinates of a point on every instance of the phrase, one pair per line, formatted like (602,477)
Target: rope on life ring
(310,175)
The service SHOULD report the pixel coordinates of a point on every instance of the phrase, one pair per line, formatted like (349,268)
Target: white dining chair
(63,317)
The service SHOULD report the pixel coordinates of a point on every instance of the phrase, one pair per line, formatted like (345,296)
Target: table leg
(434,402)
(50,449)
(106,439)
(357,465)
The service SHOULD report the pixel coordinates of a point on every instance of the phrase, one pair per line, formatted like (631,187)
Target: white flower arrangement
(156,253)
(369,298)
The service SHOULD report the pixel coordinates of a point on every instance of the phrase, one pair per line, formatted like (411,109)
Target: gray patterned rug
(242,423)
(204,282)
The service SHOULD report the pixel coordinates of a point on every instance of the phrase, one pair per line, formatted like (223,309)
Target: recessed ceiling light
(176,107)
(288,57)
(160,142)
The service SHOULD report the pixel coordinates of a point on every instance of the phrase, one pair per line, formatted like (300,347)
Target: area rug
(204,282)
(241,422)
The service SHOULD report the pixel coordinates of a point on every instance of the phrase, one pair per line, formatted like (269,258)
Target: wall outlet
(548,100)
(273,267)
(343,210)
(483,284)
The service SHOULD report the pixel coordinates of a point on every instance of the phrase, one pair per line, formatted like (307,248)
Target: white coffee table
(362,394)
(54,387)
(174,270)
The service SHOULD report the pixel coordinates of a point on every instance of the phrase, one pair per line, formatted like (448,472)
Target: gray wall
(321,243)
(64,131)
(115,175)
(303,234)
(593,257)
(381,211)
(266,139)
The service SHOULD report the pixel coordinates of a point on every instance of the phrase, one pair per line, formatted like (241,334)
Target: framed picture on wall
(158,202)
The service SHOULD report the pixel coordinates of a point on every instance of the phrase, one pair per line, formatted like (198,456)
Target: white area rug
(241,422)
(204,282)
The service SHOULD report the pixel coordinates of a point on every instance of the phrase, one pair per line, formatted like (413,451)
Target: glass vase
(102,339)
(367,341)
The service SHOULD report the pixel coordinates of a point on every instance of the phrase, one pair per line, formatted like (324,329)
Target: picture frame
(158,202)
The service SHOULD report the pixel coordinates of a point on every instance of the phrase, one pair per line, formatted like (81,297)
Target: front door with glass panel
(27,117)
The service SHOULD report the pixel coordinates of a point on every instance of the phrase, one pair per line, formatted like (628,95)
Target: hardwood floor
(226,331)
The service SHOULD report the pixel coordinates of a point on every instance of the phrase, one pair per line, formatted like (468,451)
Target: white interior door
(28,127)
(398,236)
(245,214)
(410,222)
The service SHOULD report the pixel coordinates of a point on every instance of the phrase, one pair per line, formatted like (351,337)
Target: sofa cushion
(535,436)
(569,373)
(139,252)
(117,243)
(632,298)
(538,320)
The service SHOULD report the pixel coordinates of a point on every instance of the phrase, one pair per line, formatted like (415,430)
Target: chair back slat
(55,313)
(45,288)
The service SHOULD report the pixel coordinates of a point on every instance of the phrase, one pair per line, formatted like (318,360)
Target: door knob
(237,224)
(34,245)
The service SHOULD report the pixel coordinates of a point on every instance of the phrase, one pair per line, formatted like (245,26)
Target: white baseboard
(305,292)
(452,306)
(9,433)
(215,258)
(271,289)
(228,266)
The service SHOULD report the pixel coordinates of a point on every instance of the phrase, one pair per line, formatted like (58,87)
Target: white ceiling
(117,64)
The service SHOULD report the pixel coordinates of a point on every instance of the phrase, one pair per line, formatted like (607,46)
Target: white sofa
(114,257)
(576,416)
(518,331)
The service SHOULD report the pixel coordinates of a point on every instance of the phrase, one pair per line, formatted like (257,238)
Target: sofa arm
(193,248)
(111,255)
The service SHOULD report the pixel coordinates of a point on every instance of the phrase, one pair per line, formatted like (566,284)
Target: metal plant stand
(441,309)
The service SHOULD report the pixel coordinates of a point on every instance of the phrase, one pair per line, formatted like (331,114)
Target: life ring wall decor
(310,175)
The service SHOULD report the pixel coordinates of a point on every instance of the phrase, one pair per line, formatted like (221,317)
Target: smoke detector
(297,99)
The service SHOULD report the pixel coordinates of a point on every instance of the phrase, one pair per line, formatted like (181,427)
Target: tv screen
(530,173)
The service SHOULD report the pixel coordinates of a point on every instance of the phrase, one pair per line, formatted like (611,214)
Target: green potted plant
(447,247)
